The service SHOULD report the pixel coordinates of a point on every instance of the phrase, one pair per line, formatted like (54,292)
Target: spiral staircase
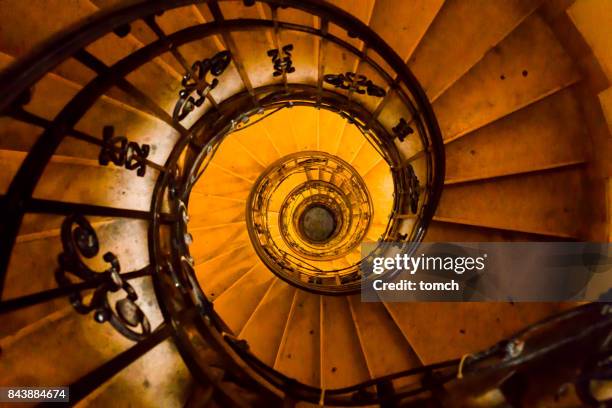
(186,186)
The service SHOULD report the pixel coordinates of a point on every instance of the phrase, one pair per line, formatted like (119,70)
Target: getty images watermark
(412,264)
(488,271)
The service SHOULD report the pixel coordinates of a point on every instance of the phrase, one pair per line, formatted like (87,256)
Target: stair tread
(342,360)
(52,341)
(232,155)
(179,18)
(123,237)
(158,378)
(350,143)
(170,21)
(252,48)
(247,293)
(217,181)
(257,140)
(530,73)
(440,231)
(60,334)
(361,9)
(283,190)
(210,242)
(456,41)
(304,121)
(117,187)
(281,135)
(32,18)
(218,274)
(380,183)
(550,203)
(305,47)
(546,133)
(299,353)
(53,92)
(331,127)
(203,213)
(375,328)
(108,48)
(264,329)
(444,331)
(354,256)
(413,18)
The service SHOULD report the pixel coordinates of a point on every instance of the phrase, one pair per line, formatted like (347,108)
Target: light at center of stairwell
(318,223)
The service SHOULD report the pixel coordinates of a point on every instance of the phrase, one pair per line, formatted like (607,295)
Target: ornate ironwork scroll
(281,58)
(353,82)
(121,152)
(196,86)
(79,240)
(402,129)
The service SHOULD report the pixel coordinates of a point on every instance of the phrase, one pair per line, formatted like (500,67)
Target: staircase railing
(391,110)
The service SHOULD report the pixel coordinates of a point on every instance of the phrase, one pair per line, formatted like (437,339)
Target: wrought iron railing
(316,179)
(189,317)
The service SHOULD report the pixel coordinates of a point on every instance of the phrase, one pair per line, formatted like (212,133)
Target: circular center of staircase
(305,212)
(317,223)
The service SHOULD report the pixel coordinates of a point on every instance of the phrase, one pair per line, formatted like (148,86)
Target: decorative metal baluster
(28,117)
(196,85)
(353,82)
(281,56)
(79,240)
(114,148)
(402,129)
(44,296)
(281,60)
(121,152)
(135,151)
(230,44)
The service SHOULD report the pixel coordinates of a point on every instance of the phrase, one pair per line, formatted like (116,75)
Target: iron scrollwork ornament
(196,86)
(79,240)
(413,189)
(121,152)
(402,129)
(282,60)
(353,82)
